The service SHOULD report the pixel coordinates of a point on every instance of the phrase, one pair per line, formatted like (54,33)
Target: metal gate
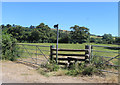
(34,54)
(106,56)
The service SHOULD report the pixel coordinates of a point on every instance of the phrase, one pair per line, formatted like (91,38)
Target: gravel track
(19,73)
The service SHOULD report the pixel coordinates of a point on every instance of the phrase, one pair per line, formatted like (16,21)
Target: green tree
(117,40)
(8,25)
(64,37)
(44,31)
(79,34)
(98,40)
(92,40)
(108,38)
(35,36)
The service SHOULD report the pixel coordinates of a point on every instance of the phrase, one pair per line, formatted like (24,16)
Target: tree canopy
(42,33)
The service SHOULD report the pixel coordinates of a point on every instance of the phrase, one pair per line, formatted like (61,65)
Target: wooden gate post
(51,52)
(88,52)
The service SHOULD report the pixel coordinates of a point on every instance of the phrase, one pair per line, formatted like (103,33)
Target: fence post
(91,54)
(51,51)
(88,52)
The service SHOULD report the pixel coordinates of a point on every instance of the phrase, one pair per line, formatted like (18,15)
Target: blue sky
(99,17)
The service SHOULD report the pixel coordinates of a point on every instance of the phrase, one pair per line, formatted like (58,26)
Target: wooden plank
(64,59)
(61,63)
(70,58)
(82,55)
(82,50)
(76,59)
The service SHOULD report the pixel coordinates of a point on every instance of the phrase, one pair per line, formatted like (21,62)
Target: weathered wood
(88,53)
(61,63)
(63,59)
(76,59)
(70,58)
(81,50)
(82,55)
(51,51)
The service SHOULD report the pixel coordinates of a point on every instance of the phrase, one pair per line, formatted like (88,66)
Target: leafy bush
(9,47)
(76,69)
(97,61)
(89,70)
(43,72)
(82,68)
(52,66)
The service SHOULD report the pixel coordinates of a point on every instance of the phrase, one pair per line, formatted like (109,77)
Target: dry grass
(111,78)
(60,72)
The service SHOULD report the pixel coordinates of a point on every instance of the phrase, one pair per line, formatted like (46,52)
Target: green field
(46,50)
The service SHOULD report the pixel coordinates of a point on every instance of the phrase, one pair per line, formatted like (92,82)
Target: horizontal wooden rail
(82,55)
(61,63)
(64,59)
(70,58)
(76,57)
(54,49)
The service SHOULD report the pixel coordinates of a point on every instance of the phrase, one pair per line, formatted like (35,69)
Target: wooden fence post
(51,52)
(88,52)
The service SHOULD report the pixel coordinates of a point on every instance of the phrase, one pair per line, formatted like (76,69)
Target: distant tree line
(44,34)
(105,39)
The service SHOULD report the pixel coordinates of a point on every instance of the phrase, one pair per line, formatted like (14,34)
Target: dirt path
(19,73)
